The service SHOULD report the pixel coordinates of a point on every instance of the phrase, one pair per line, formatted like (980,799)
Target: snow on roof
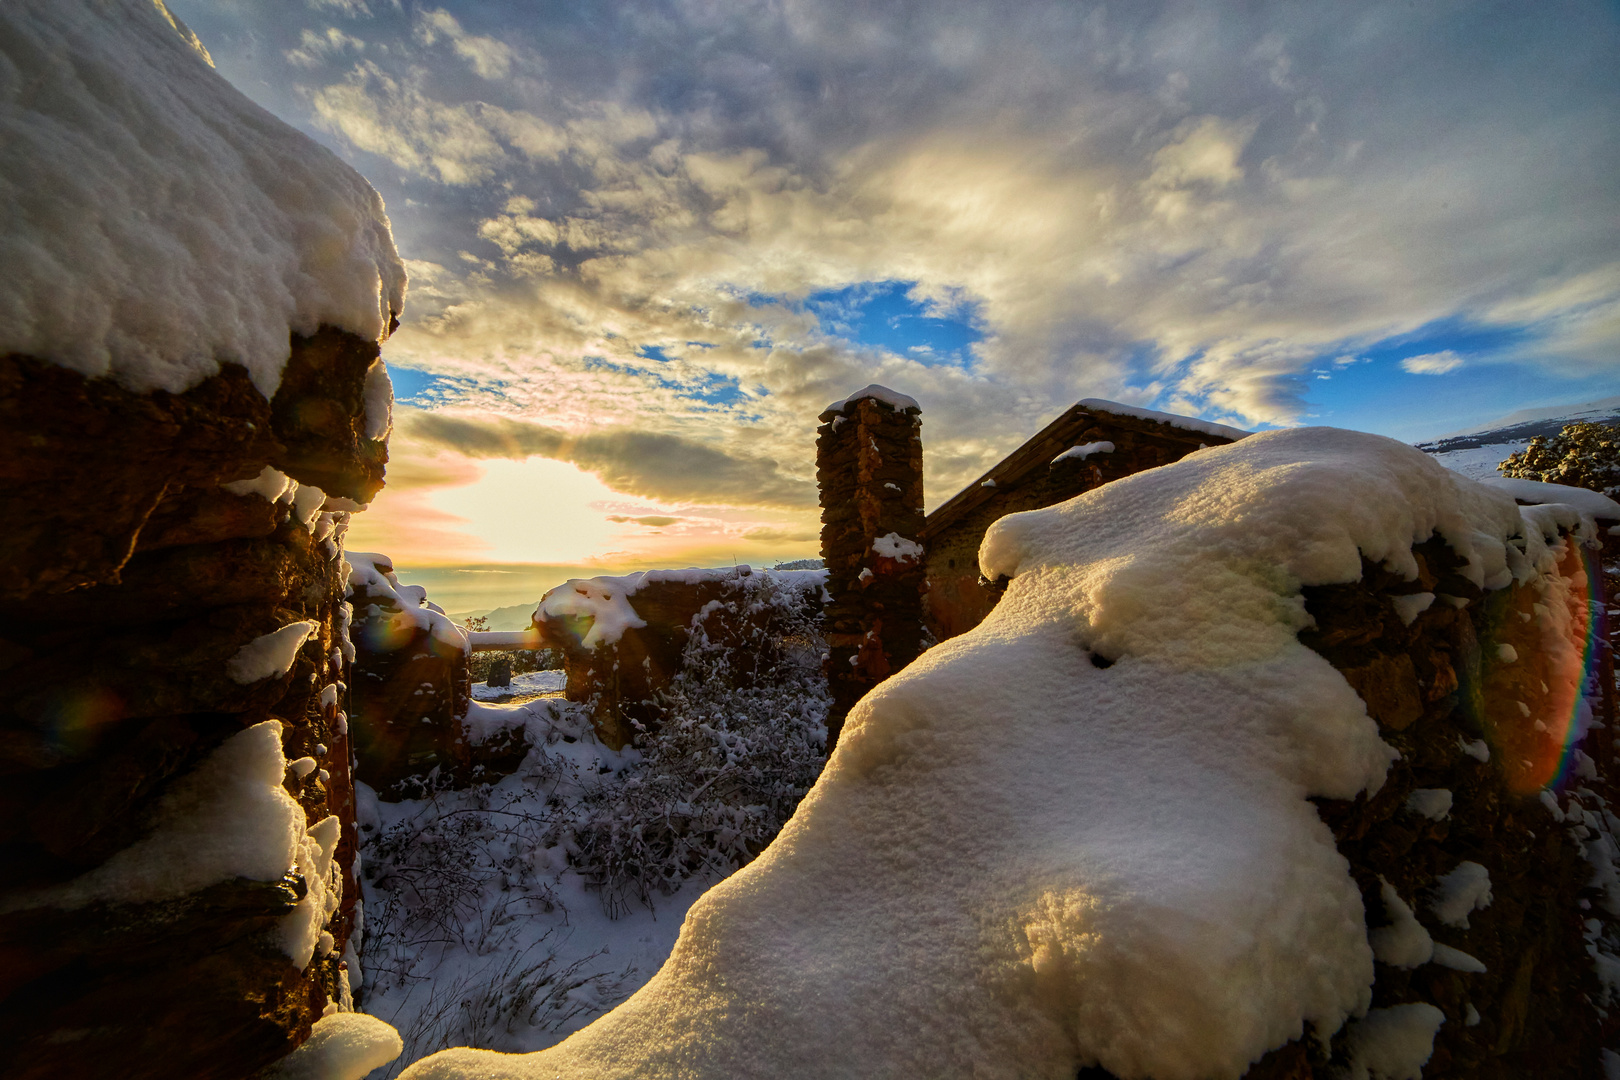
(1535,493)
(892,398)
(1018,862)
(1186,423)
(159,222)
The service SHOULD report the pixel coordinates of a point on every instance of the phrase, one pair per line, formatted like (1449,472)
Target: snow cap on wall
(892,398)
(158,222)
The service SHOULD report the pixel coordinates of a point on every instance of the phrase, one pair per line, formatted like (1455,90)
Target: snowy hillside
(1476,453)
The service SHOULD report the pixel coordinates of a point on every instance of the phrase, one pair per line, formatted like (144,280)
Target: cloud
(649,464)
(1439,363)
(1184,206)
(766,534)
(490,58)
(315,49)
(652,520)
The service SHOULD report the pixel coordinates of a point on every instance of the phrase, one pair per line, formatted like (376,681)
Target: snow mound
(230,817)
(158,223)
(270,655)
(1079,834)
(343,1046)
(373,575)
(1083,452)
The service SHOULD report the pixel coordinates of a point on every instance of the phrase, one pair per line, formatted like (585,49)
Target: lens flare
(1563,646)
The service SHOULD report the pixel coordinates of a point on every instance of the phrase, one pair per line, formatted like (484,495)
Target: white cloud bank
(1174,204)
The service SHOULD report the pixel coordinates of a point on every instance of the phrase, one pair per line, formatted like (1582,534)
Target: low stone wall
(411,684)
(869,472)
(150,550)
(1505,773)
(623,639)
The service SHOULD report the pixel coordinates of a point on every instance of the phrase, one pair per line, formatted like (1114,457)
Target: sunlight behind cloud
(533,511)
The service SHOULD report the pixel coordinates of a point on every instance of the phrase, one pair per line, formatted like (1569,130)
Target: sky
(650,241)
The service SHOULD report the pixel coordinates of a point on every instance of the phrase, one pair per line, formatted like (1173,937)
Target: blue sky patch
(1469,380)
(424,389)
(883,315)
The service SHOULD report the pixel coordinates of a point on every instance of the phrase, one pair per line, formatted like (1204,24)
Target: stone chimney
(869,470)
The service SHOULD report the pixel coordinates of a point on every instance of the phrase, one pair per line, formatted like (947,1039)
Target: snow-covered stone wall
(1281,760)
(191,406)
(411,683)
(624,639)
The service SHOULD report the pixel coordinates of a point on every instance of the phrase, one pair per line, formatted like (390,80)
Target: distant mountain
(515,617)
(1526,424)
(1477,453)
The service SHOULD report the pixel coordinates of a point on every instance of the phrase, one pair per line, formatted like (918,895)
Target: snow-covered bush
(741,737)
(1581,455)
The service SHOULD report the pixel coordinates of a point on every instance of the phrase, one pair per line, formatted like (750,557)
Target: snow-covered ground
(1479,462)
(525,685)
(477,931)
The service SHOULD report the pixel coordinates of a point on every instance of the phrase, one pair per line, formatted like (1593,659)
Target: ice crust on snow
(342,1046)
(1591,503)
(1186,423)
(1460,893)
(160,223)
(1013,865)
(1085,451)
(892,398)
(270,655)
(1393,1043)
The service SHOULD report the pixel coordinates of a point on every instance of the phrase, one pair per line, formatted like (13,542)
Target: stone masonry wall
(869,470)
(410,691)
(1029,479)
(622,680)
(1470,694)
(129,580)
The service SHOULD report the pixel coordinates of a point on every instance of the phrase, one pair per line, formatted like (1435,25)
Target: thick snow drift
(157,221)
(1079,834)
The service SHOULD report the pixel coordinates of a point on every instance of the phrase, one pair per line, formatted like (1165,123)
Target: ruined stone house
(1093,442)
